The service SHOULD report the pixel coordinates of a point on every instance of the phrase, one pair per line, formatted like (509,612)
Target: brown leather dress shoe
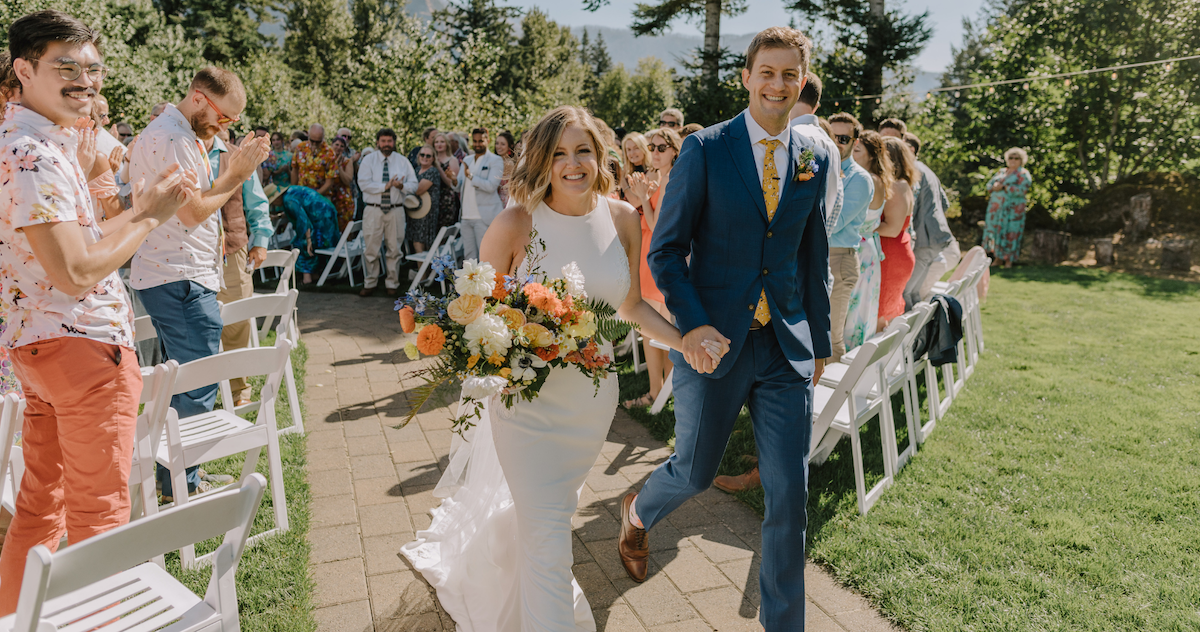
(739,483)
(366,291)
(633,545)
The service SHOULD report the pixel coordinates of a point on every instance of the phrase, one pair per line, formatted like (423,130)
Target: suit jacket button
(764,272)
(751,309)
(769,234)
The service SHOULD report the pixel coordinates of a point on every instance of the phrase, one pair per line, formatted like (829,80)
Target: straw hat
(418,207)
(272,192)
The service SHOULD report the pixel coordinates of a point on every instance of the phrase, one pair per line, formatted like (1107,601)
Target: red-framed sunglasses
(221,118)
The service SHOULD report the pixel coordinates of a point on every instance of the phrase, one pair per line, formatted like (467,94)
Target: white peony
(480,388)
(574,278)
(488,335)
(476,279)
(524,366)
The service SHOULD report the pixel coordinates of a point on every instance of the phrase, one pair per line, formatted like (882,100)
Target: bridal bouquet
(501,334)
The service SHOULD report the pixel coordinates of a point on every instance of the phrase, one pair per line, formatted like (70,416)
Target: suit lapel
(737,138)
(790,186)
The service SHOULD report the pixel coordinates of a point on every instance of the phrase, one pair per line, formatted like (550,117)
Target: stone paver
(372,489)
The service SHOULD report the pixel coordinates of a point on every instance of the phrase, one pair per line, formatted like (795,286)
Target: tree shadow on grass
(1149,287)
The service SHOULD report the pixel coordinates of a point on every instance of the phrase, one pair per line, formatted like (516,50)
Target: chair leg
(293,402)
(911,418)
(187,555)
(948,380)
(663,395)
(933,401)
(860,478)
(278,497)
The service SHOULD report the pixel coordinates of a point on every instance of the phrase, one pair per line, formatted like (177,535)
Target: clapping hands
(86,152)
(170,190)
(640,188)
(244,159)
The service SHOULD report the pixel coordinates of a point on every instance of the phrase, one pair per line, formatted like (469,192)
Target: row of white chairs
(350,248)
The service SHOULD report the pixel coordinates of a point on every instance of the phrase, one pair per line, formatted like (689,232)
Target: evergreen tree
(479,20)
(228,29)
(543,69)
(869,39)
(319,40)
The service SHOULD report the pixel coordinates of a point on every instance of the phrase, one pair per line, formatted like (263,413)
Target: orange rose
(547,353)
(408,320)
(431,340)
(514,317)
(499,293)
(465,309)
(538,335)
(544,299)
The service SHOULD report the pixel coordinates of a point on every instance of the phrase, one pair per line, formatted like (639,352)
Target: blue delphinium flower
(510,283)
(813,166)
(440,266)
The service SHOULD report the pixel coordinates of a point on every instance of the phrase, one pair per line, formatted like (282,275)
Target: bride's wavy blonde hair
(530,183)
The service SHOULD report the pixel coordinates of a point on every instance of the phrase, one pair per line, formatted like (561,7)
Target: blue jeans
(780,403)
(188,321)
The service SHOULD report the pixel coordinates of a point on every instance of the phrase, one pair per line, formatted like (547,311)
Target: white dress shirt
(809,127)
(173,252)
(370,178)
(757,134)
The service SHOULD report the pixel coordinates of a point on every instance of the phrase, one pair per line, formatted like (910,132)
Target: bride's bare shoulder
(623,214)
(513,220)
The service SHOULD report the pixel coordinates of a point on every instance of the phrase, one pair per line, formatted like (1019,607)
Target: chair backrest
(922,314)
(285,259)
(353,228)
(10,422)
(157,385)
(269,306)
(875,350)
(267,361)
(229,513)
(143,329)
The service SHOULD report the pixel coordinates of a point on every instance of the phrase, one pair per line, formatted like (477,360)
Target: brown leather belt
(755,325)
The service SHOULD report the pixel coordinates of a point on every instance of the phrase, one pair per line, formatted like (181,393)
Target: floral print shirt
(41,182)
(315,166)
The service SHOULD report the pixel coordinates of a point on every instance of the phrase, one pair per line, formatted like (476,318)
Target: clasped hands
(703,348)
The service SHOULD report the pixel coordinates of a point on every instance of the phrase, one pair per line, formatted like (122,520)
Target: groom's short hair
(780,37)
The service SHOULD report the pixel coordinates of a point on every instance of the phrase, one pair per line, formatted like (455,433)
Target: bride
(499,548)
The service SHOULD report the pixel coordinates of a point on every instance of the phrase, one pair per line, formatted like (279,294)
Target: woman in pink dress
(898,259)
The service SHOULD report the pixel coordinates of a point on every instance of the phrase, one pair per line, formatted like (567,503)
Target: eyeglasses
(843,139)
(70,70)
(221,118)
(424,155)
(668,123)
(662,149)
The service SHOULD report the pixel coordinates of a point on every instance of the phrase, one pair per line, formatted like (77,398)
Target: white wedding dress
(499,549)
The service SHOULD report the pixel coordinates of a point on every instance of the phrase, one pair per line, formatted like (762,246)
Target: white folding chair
(105,583)
(269,307)
(349,246)
(443,244)
(665,394)
(286,261)
(634,342)
(857,399)
(12,465)
(209,436)
(948,369)
(157,383)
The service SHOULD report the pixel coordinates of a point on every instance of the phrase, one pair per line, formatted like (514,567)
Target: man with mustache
(179,270)
(70,336)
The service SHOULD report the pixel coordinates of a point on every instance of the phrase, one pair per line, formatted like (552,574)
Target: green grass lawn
(1062,490)
(273,587)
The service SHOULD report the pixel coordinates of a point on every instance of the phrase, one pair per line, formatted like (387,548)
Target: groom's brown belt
(755,325)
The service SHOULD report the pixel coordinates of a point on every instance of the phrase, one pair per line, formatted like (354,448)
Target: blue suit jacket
(713,210)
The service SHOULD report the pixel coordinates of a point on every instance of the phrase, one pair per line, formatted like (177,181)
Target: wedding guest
(1004,225)
(806,124)
(862,315)
(635,158)
(423,231)
(385,178)
(426,139)
(504,149)
(158,109)
(314,164)
(278,167)
(647,193)
(458,144)
(898,259)
(177,272)
(448,168)
(342,193)
(845,235)
(934,246)
(73,350)
(314,221)
(892,128)
(479,180)
(672,118)
(10,91)
(691,128)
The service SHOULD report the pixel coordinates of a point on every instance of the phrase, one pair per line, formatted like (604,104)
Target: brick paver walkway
(372,489)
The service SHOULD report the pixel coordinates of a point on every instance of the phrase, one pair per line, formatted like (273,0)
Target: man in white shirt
(479,181)
(806,124)
(385,177)
(177,272)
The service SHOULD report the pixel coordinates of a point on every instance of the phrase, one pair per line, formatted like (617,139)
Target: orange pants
(81,405)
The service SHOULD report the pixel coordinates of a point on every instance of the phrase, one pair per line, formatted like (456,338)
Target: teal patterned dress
(312,215)
(862,317)
(1005,221)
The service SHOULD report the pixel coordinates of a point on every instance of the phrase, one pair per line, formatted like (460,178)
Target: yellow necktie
(762,313)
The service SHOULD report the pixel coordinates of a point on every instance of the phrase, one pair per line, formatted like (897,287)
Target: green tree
(228,29)
(483,21)
(651,90)
(705,104)
(319,41)
(595,59)
(869,39)
(609,99)
(543,69)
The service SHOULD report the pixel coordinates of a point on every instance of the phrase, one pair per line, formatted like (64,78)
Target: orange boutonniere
(806,166)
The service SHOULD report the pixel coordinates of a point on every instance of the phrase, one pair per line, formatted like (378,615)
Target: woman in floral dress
(1005,221)
(342,194)
(314,219)
(862,316)
(279,165)
(423,231)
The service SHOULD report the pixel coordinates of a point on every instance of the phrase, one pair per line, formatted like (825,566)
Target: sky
(946,15)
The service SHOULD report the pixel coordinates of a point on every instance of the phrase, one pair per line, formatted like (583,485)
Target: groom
(750,212)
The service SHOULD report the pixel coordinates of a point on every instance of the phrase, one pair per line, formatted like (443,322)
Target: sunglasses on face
(70,70)
(221,118)
(662,149)
(843,139)
(668,123)
(424,155)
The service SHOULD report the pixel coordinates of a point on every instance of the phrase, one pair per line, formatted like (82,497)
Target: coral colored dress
(649,288)
(898,263)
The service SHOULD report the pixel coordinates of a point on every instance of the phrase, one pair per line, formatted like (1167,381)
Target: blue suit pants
(780,403)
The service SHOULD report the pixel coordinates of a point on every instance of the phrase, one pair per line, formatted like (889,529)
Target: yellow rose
(583,327)
(465,309)
(538,335)
(515,318)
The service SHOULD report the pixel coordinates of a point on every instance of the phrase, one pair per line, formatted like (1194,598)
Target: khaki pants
(844,264)
(239,284)
(379,228)
(81,405)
